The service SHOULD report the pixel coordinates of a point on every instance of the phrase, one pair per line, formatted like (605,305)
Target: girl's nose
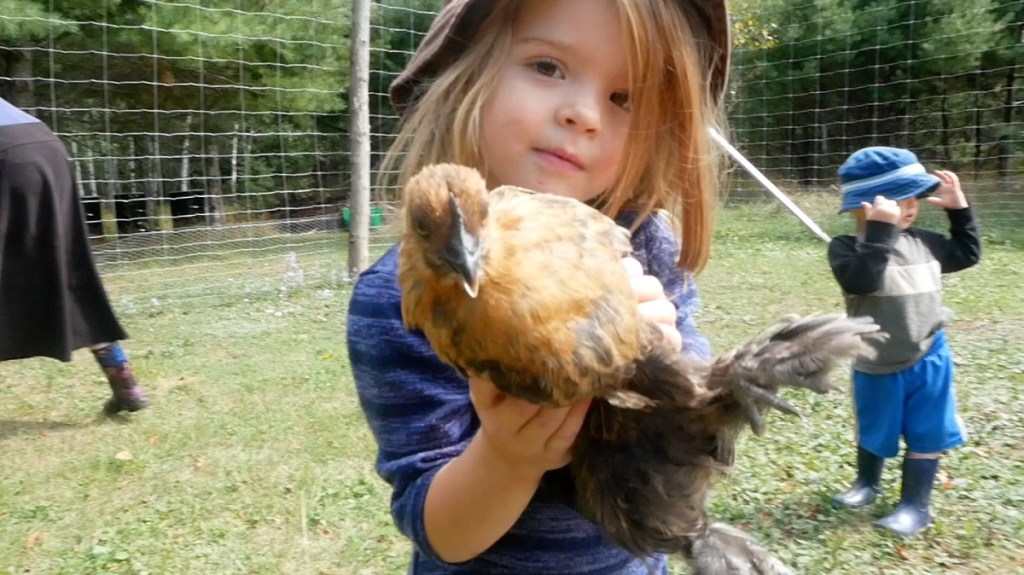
(581,112)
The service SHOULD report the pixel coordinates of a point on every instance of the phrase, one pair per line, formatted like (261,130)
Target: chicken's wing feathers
(795,352)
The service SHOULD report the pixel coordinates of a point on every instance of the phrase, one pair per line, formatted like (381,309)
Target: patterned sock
(110,355)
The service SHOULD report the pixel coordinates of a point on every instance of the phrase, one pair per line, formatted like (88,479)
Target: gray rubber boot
(868,485)
(912,516)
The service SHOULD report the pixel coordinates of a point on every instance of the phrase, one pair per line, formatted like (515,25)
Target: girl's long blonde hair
(670,165)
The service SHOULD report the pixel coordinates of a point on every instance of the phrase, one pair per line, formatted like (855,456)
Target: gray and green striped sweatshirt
(896,278)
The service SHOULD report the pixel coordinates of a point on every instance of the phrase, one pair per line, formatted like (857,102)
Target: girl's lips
(560,159)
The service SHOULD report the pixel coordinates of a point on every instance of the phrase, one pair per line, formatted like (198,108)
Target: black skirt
(52,300)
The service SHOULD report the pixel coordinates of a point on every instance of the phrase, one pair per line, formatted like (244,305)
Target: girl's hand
(525,438)
(883,210)
(653,305)
(948,195)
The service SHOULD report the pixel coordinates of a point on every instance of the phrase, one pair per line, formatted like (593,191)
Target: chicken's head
(445,210)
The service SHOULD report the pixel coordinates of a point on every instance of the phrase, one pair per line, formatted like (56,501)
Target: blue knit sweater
(419,411)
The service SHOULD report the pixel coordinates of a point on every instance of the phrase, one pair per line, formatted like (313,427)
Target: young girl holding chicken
(604,101)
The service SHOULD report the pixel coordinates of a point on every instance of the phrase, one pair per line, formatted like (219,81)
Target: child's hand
(527,438)
(883,210)
(650,297)
(948,195)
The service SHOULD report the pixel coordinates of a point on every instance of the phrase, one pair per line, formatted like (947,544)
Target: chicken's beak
(463,254)
(468,267)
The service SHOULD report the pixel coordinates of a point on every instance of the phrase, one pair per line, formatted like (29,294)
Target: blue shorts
(916,403)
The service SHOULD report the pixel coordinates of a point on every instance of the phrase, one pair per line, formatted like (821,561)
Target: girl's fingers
(482,393)
(647,288)
(543,423)
(633,267)
(672,335)
(653,305)
(550,433)
(505,411)
(565,434)
(661,311)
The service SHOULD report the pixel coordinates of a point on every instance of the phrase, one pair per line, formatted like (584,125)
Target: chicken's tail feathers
(644,497)
(796,352)
(725,549)
(644,474)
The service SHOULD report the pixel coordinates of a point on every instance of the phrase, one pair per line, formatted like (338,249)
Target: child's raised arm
(949,194)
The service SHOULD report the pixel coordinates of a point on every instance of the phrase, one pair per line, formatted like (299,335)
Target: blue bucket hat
(893,173)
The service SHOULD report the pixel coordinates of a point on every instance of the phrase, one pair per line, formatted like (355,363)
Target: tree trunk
(79,181)
(234,163)
(133,187)
(214,188)
(947,152)
(108,209)
(977,128)
(110,181)
(150,187)
(157,210)
(18,67)
(186,168)
(246,181)
(822,164)
(1005,141)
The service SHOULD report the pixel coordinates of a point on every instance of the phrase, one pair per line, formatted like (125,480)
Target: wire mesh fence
(211,140)
(814,80)
(207,137)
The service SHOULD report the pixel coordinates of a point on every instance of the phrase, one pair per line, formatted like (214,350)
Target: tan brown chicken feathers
(517,286)
(527,290)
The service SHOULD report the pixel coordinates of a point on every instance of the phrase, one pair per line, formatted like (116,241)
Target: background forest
(188,113)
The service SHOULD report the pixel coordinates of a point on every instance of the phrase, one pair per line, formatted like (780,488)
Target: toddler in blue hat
(891,271)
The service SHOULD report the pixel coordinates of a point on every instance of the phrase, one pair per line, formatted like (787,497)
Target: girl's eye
(547,68)
(620,99)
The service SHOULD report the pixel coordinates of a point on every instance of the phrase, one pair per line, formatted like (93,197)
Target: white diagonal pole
(743,161)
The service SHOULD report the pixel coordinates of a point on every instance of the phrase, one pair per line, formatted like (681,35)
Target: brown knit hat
(459,20)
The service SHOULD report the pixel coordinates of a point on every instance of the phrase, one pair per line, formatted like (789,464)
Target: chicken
(526,289)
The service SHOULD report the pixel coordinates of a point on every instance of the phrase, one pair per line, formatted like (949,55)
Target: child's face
(908,212)
(909,209)
(558,116)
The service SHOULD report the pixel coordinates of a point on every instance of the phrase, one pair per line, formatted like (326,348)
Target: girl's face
(558,116)
(908,212)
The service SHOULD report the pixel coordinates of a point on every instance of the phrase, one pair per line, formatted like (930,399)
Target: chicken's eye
(420,221)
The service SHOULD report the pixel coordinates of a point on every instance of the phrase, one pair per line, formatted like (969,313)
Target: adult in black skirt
(52,301)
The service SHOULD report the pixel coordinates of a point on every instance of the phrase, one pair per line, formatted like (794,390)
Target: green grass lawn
(254,457)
